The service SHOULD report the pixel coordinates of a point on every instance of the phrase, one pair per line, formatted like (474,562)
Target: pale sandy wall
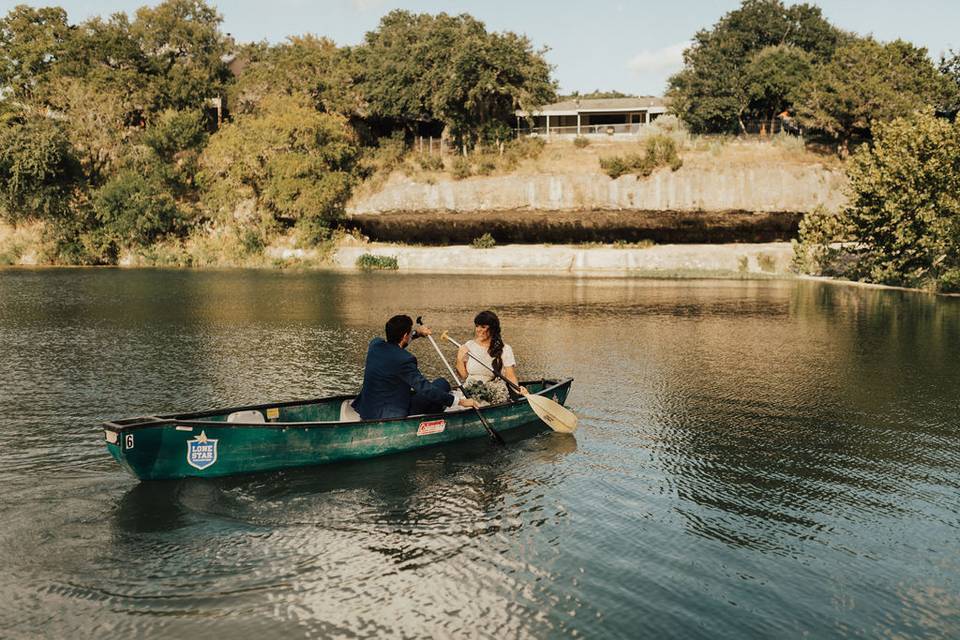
(791,188)
(661,260)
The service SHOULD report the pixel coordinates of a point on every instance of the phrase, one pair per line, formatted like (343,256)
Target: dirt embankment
(524,227)
(724,192)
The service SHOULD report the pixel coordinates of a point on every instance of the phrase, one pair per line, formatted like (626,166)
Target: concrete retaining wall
(662,260)
(792,188)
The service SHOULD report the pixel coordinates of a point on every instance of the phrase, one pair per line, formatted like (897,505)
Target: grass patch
(460,169)
(485,241)
(370,262)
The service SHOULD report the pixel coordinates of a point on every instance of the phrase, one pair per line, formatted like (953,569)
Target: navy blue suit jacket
(388,377)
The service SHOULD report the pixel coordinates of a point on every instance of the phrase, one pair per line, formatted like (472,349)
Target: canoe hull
(170,448)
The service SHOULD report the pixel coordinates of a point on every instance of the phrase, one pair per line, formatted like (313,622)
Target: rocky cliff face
(788,188)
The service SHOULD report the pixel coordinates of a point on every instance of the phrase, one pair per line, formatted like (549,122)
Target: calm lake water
(755,459)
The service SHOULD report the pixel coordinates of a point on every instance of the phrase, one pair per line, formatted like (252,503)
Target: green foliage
(176,131)
(371,262)
(596,94)
(904,211)
(580,142)
(168,57)
(38,171)
(387,156)
(902,222)
(659,150)
(134,209)
(291,160)
(486,166)
(724,76)
(773,78)
(817,251)
(423,68)
(306,66)
(430,162)
(486,241)
(460,169)
(868,82)
(32,42)
(184,50)
(520,149)
(950,68)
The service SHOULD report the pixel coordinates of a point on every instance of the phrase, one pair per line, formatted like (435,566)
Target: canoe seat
(246,416)
(348,413)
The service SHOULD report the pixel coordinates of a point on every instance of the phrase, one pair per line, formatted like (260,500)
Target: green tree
(107,57)
(95,121)
(32,43)
(174,132)
(904,210)
(711,92)
(773,78)
(185,51)
(867,82)
(134,209)
(449,69)
(304,65)
(288,159)
(38,170)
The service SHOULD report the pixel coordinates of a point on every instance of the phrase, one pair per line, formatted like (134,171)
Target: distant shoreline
(767,261)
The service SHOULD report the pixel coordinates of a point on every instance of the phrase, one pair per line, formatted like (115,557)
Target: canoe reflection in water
(399,489)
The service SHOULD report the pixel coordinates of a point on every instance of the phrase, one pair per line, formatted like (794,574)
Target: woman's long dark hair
(490,320)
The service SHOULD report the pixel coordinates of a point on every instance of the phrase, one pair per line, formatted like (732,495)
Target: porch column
(548,124)
(646,117)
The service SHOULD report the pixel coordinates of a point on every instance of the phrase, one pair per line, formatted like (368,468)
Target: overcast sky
(629,46)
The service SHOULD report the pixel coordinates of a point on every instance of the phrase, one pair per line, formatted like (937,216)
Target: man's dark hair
(396,327)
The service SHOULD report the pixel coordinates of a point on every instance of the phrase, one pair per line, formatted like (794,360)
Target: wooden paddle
(496,437)
(554,414)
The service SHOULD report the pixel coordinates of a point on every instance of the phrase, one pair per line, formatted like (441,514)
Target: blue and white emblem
(201,451)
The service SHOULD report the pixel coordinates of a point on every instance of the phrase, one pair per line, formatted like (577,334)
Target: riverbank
(762,260)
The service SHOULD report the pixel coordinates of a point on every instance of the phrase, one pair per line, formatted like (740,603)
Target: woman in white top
(488,347)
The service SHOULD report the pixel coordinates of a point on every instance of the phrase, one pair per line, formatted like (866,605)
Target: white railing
(584,130)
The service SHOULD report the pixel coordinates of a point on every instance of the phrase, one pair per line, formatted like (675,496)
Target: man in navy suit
(391,374)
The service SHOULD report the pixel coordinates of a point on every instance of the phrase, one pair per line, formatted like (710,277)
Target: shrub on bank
(580,142)
(903,217)
(486,241)
(460,169)
(370,262)
(659,150)
(430,162)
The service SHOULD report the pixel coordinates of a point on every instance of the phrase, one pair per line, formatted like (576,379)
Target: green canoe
(295,434)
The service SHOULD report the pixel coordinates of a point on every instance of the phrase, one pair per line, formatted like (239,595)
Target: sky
(629,46)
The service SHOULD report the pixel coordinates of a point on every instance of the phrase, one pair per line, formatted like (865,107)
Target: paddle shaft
(496,437)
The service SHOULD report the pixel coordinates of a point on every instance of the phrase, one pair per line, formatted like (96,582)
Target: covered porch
(601,117)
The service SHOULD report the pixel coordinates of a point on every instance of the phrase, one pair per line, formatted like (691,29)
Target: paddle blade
(554,414)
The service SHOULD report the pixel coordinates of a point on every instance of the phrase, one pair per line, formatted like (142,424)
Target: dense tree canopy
(450,69)
(38,170)
(902,222)
(715,91)
(867,82)
(287,158)
(303,65)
